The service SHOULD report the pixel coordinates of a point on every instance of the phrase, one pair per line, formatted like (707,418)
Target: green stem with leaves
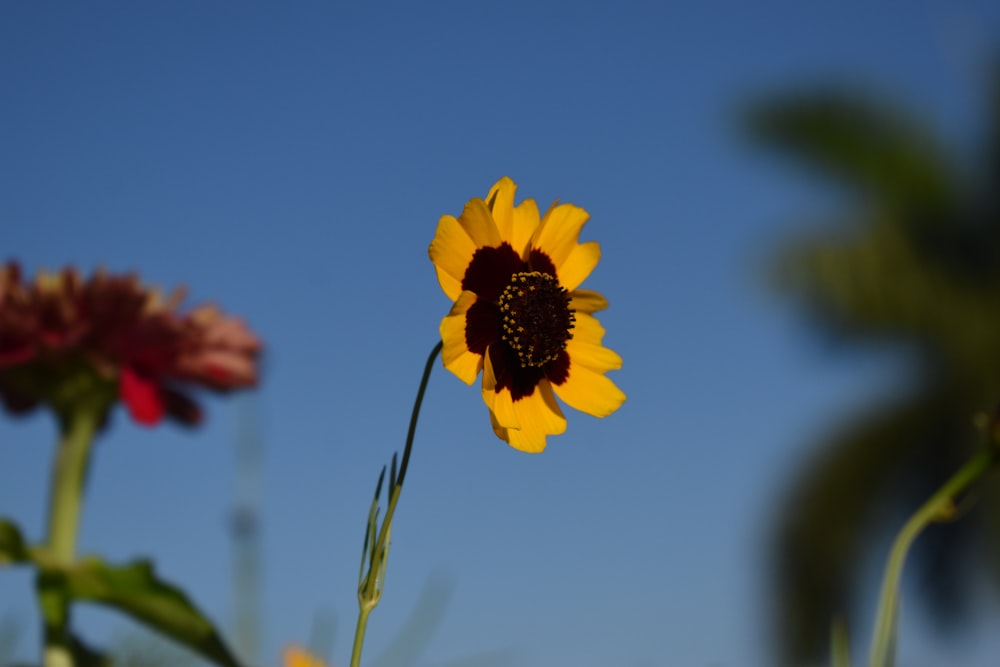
(940,507)
(376,545)
(69,473)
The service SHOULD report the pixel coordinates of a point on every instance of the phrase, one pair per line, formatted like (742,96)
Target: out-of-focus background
(797,209)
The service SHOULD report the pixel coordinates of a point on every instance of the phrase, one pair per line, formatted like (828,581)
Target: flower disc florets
(537,318)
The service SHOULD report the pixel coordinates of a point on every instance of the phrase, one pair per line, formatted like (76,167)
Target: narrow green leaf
(378,485)
(135,590)
(12,547)
(392,472)
(371,532)
(364,551)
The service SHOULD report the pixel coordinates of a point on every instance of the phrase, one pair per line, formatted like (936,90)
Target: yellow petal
(500,202)
(477,221)
(526,221)
(515,224)
(540,416)
(578,264)
(587,329)
(451,251)
(593,356)
(589,391)
(541,411)
(529,443)
(500,431)
(455,354)
(587,301)
(558,232)
(500,403)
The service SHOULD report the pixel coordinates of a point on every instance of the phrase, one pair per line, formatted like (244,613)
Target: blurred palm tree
(912,268)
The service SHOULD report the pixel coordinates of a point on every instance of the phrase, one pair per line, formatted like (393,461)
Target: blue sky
(290,162)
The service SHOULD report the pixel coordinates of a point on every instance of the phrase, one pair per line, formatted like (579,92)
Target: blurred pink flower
(115,333)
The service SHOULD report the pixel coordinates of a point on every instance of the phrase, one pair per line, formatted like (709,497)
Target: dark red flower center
(536,317)
(542,311)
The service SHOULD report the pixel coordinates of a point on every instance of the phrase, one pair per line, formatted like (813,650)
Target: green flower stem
(68,479)
(370,586)
(69,474)
(941,506)
(359,633)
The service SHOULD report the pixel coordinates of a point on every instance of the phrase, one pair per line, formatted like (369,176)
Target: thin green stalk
(68,478)
(411,431)
(370,586)
(69,472)
(940,506)
(359,634)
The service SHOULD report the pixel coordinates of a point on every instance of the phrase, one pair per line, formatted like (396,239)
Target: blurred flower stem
(376,546)
(940,507)
(78,346)
(78,425)
(68,478)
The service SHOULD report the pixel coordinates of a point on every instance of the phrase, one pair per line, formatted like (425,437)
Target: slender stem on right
(940,506)
(370,588)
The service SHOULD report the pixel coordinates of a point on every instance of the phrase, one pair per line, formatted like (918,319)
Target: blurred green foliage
(912,267)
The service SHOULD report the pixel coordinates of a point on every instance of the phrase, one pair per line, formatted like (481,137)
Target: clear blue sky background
(290,161)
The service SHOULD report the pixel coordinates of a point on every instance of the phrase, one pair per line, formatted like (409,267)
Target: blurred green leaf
(135,590)
(12,546)
(865,143)
(413,638)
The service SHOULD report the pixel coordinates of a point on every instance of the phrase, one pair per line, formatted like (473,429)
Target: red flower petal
(142,396)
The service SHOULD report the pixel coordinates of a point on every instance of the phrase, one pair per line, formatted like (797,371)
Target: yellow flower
(519,317)
(297,657)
